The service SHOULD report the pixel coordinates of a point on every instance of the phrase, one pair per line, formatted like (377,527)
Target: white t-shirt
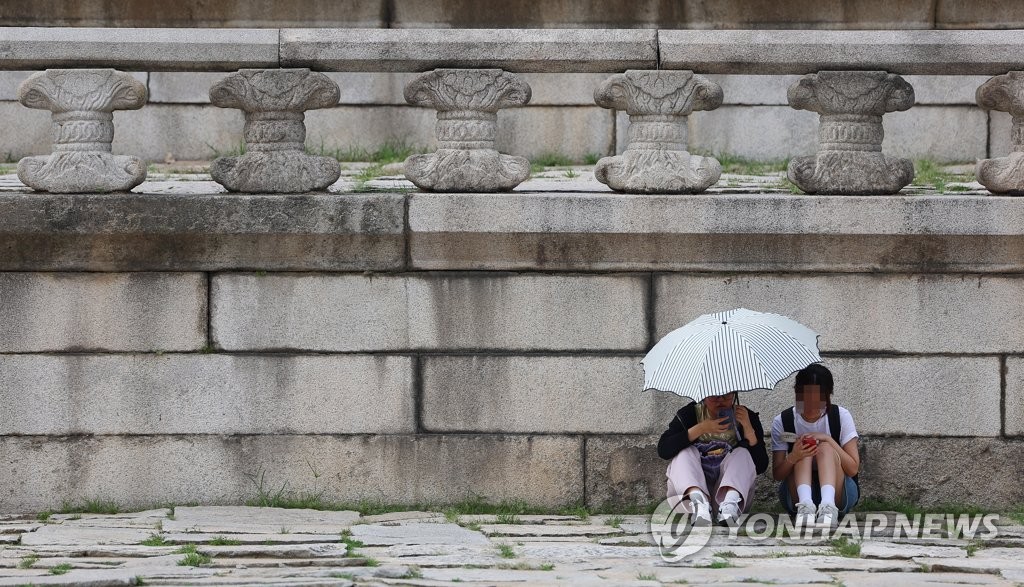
(849,431)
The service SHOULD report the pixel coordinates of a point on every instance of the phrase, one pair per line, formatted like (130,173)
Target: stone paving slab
(80,536)
(201,538)
(422,533)
(423,548)
(251,520)
(547,530)
(917,579)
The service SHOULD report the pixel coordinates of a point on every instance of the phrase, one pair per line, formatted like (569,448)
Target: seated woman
(821,466)
(708,448)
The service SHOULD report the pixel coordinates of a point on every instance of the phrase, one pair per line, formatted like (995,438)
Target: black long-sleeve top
(677,437)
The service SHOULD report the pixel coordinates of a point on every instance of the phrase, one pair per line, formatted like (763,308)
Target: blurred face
(717,402)
(810,400)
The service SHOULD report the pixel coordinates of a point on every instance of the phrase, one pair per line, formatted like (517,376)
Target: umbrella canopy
(735,350)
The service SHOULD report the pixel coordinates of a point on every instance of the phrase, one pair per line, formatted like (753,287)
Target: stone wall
(416,347)
(756,122)
(698,14)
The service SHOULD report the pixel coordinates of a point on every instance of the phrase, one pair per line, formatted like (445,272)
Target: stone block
(201,231)
(808,14)
(44,312)
(175,87)
(369,127)
(133,471)
(944,134)
(1000,124)
(1014,409)
(526,14)
(206,394)
(978,14)
(540,394)
(193,13)
(514,50)
(349,312)
(764,52)
(902,396)
(754,90)
(765,133)
(626,469)
(725,232)
(563,89)
(573,131)
(863,312)
(945,89)
(29,132)
(180,132)
(322,312)
(161,49)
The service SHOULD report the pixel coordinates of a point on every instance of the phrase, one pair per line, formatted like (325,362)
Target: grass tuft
(390,151)
(846,548)
(92,506)
(60,569)
(505,550)
(154,540)
(614,521)
(27,561)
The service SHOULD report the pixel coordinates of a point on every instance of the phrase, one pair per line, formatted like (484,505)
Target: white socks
(803,492)
(828,494)
(732,496)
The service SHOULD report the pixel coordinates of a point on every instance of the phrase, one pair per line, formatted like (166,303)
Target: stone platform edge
(559,231)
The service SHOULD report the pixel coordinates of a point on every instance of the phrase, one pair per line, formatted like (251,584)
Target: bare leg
(830,469)
(830,472)
(802,472)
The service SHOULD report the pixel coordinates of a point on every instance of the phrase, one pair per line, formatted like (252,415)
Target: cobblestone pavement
(239,545)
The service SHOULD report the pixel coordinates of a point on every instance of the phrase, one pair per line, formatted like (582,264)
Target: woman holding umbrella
(714,444)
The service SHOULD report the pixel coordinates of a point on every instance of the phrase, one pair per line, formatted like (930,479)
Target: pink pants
(737,471)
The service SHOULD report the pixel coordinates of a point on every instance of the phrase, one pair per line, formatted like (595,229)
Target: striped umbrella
(735,350)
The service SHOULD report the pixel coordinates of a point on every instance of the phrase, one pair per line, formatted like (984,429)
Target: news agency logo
(677,538)
(674,533)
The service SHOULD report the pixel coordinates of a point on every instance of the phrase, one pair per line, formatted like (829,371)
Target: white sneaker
(701,509)
(728,513)
(828,516)
(804,515)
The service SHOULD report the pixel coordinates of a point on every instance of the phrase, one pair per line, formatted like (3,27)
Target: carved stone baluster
(467,103)
(656,160)
(275,101)
(850,159)
(82,102)
(1005,93)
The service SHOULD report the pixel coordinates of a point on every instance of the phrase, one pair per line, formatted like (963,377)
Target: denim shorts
(851,495)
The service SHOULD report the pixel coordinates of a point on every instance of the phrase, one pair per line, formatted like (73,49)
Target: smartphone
(731,414)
